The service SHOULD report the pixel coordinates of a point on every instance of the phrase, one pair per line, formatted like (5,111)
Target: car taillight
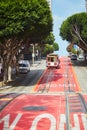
(48,63)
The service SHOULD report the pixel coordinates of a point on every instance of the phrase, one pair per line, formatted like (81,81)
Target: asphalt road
(24,83)
(57,111)
(80,68)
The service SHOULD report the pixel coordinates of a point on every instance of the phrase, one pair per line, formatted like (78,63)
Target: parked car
(73,57)
(81,58)
(24,66)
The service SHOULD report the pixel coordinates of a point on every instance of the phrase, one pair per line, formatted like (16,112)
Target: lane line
(76,79)
(36,86)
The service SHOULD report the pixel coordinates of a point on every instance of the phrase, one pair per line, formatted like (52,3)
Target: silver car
(24,66)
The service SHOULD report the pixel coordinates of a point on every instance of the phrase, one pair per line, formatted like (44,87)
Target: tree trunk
(9,73)
(5,73)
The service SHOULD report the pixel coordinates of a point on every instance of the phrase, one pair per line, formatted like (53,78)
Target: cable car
(52,60)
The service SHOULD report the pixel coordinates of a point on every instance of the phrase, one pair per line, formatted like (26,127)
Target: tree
(22,22)
(74,30)
(47,49)
(50,39)
(49,44)
(56,47)
(69,47)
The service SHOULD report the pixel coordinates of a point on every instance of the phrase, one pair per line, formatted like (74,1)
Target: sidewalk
(16,79)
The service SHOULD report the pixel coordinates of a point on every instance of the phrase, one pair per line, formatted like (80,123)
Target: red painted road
(59,80)
(47,112)
(33,112)
(40,112)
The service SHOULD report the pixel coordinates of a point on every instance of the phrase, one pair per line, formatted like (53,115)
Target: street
(43,65)
(24,82)
(81,72)
(46,99)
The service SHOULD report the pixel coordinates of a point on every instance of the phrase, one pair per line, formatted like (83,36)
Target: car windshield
(74,55)
(22,65)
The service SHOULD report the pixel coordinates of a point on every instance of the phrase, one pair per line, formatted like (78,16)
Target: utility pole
(86,5)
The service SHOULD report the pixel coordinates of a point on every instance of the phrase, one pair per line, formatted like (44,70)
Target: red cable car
(52,60)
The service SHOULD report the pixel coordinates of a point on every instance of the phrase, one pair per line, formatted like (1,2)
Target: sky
(61,10)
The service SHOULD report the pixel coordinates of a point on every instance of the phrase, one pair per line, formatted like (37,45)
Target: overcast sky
(61,10)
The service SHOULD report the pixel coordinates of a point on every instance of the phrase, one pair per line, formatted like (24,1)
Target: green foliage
(56,47)
(79,22)
(50,45)
(47,49)
(50,39)
(11,18)
(65,31)
(74,29)
(22,22)
(31,18)
(74,51)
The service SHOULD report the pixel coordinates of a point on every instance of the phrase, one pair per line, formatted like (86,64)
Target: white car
(81,57)
(24,66)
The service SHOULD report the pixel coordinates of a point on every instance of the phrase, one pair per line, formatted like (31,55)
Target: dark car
(73,57)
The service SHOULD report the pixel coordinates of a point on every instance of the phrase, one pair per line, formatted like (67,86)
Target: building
(50,3)
(86,5)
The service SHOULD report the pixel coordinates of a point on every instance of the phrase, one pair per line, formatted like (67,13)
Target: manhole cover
(34,108)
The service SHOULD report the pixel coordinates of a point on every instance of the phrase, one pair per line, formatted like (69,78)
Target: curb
(14,82)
